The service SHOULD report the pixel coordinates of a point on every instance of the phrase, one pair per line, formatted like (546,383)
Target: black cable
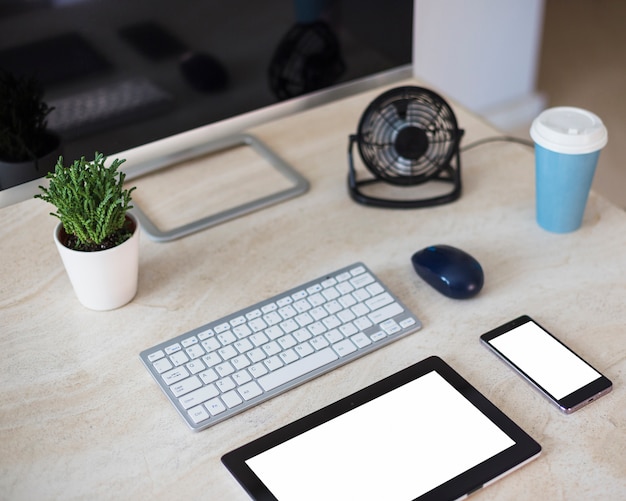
(510,139)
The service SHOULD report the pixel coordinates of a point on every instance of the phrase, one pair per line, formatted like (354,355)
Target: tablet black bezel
(524,449)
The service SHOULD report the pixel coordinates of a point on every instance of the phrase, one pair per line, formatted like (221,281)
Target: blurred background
(583,63)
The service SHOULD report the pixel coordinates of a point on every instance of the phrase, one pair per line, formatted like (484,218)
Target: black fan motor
(407,136)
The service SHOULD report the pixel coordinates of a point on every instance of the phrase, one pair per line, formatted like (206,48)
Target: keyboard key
(226,337)
(348,329)
(199,396)
(198,414)
(318,313)
(224,369)
(317,328)
(259,339)
(287,341)
(360,340)
(208,376)
(331,322)
(179,358)
(273,332)
(240,320)
(258,324)
(256,355)
(162,365)
(240,362)
(386,312)
(377,336)
(206,334)
(269,307)
(379,301)
(288,356)
(173,348)
(407,322)
(243,345)
(215,406)
(225,384)
(283,301)
(195,366)
(302,306)
(195,351)
(223,327)
(363,323)
(231,399)
(273,363)
(357,270)
(334,336)
(362,280)
(375,289)
(319,342)
(361,294)
(153,357)
(258,370)
(211,344)
(189,341)
(271,348)
(250,390)
(329,282)
(256,313)
(227,352)
(304,349)
(242,331)
(249,356)
(344,347)
(297,369)
(344,287)
(211,359)
(175,375)
(390,326)
(241,377)
(185,386)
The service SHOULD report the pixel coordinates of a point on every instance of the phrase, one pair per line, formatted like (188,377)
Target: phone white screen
(543,359)
(395,447)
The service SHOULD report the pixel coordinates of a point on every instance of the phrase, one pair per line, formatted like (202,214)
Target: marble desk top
(81,418)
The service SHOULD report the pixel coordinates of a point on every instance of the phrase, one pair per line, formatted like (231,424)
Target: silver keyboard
(227,366)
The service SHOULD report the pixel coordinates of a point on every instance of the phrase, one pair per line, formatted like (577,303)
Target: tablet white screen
(395,447)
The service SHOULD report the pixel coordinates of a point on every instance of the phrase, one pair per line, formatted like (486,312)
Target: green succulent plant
(91,202)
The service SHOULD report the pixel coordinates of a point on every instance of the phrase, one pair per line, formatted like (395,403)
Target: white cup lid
(569,130)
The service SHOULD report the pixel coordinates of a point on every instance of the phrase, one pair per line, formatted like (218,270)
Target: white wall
(483,54)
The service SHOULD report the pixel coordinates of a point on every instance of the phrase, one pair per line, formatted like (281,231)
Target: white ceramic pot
(103,280)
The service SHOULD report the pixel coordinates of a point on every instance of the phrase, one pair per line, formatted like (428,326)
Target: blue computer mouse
(451,271)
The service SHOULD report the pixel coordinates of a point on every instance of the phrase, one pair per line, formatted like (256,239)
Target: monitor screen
(122,74)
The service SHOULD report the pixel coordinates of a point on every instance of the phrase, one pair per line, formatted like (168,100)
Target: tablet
(422,433)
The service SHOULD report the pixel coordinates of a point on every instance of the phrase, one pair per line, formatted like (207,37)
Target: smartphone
(545,362)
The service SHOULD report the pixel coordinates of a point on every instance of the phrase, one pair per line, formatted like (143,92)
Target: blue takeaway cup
(567,146)
(568,142)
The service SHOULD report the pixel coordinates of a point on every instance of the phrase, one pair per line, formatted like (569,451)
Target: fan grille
(408,135)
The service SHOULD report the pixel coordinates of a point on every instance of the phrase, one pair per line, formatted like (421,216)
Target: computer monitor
(206,68)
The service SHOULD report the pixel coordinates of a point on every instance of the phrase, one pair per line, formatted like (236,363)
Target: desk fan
(407,136)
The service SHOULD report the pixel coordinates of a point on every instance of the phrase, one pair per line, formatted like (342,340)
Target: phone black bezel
(568,404)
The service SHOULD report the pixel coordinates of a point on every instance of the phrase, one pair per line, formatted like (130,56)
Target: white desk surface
(81,418)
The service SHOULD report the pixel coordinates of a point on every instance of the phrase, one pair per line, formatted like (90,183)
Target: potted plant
(97,238)
(27,149)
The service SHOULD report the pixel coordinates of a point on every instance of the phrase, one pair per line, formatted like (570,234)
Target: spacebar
(297,369)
